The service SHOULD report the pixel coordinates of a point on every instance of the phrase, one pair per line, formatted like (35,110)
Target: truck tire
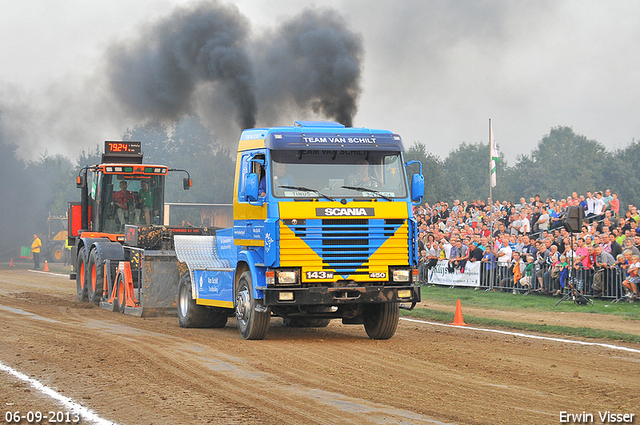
(381,320)
(95,278)
(252,324)
(192,315)
(306,322)
(57,252)
(81,278)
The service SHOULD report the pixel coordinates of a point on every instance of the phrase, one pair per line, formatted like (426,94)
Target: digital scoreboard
(120,148)
(122,152)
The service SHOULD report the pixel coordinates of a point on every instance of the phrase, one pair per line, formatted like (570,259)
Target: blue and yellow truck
(323,229)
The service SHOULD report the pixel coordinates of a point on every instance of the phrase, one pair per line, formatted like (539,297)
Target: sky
(432,71)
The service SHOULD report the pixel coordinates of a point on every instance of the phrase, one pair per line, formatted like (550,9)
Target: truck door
(249,216)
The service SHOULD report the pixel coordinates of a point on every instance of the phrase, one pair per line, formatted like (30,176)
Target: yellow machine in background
(54,239)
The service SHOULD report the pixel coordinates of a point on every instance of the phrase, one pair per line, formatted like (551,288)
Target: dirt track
(149,370)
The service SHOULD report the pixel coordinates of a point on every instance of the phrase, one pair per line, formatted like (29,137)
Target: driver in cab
(280,178)
(361,176)
(122,199)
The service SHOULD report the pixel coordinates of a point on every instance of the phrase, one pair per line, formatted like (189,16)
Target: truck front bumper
(317,295)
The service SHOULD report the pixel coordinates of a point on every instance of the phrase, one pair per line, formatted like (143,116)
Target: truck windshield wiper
(366,189)
(306,189)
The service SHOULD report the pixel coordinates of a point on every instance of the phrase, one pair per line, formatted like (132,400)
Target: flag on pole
(495,156)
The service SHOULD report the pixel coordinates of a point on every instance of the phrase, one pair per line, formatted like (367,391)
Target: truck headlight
(401,275)
(287,277)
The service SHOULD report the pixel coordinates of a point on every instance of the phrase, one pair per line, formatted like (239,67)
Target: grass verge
(512,302)
(446,317)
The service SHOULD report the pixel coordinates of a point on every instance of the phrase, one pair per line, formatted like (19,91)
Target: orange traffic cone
(11,263)
(458,320)
(46,268)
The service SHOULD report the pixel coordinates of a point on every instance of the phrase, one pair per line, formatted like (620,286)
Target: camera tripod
(574,291)
(575,295)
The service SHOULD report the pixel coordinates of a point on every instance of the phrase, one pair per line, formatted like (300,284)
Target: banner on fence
(440,274)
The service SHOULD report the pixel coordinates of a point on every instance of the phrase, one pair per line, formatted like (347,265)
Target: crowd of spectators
(525,247)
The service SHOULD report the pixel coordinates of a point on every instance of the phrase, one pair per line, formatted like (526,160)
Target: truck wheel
(192,315)
(95,278)
(81,278)
(57,253)
(381,320)
(252,323)
(305,322)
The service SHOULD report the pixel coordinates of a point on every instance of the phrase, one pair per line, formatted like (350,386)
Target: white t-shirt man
(504,255)
(543,221)
(598,206)
(525,227)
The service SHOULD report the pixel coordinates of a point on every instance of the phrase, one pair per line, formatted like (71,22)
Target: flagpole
(490,171)
(491,223)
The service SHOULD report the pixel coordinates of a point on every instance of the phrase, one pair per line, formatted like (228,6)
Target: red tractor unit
(122,255)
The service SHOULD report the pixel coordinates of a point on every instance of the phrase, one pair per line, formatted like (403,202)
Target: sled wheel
(192,315)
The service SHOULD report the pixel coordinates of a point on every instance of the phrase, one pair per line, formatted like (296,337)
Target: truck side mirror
(187,183)
(417,188)
(251,187)
(81,182)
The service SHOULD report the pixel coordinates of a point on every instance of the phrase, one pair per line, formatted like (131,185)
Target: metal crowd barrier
(603,283)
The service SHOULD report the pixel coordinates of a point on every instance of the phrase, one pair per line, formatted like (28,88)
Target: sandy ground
(132,370)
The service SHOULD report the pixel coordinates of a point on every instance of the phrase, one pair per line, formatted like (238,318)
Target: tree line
(34,189)
(561,163)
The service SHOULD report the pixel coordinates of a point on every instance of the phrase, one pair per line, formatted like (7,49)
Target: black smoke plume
(178,66)
(314,61)
(158,75)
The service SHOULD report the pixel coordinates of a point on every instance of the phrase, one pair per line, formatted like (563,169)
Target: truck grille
(346,245)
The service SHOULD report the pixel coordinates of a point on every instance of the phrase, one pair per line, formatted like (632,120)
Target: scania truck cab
(323,229)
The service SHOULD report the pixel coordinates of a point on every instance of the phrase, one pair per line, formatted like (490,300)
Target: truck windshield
(139,198)
(337,174)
